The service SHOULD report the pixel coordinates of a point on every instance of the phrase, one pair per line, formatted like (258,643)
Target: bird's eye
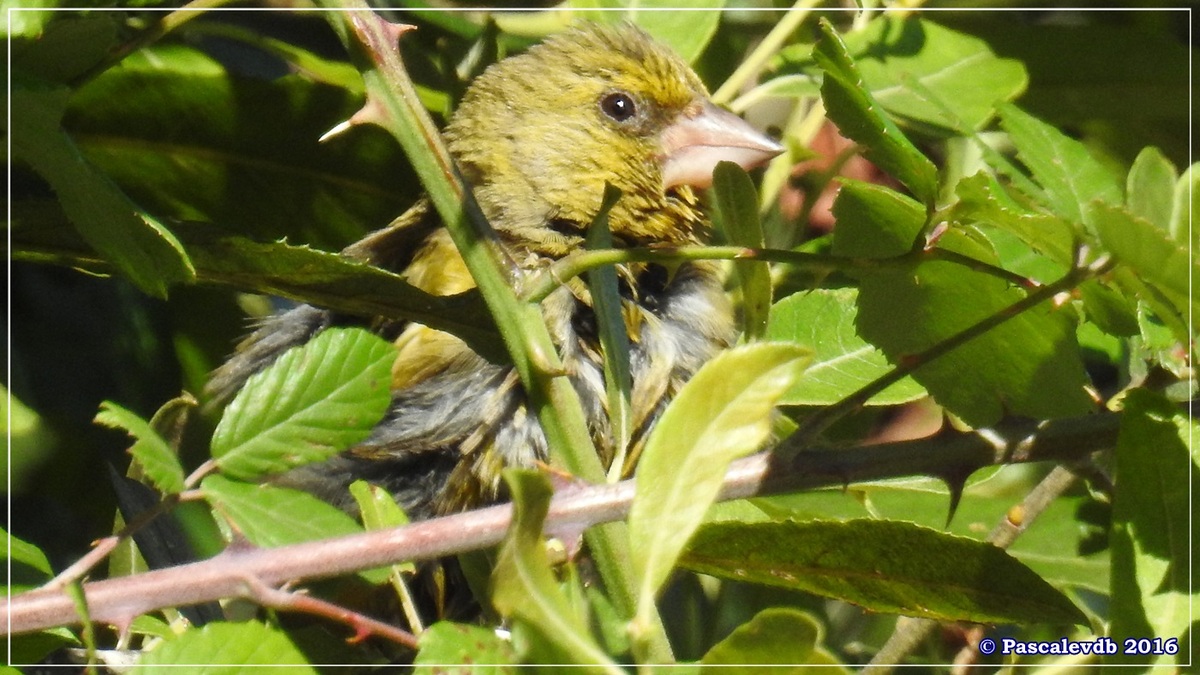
(618,105)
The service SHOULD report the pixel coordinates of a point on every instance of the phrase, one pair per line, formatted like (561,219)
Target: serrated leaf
(884,566)
(776,635)
(226,648)
(1153,521)
(1150,252)
(823,320)
(151,451)
(737,202)
(722,413)
(140,247)
(933,75)
(874,221)
(311,403)
(448,648)
(1150,188)
(981,199)
(1027,365)
(1062,166)
(271,516)
(860,117)
(524,588)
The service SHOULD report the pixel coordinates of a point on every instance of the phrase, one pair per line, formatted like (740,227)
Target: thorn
(956,482)
(370,113)
(396,30)
(338,128)
(936,234)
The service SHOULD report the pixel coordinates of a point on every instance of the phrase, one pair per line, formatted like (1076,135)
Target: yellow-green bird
(537,136)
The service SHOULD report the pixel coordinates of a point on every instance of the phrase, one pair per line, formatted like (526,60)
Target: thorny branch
(118,601)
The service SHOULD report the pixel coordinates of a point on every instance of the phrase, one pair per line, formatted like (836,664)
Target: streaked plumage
(538,135)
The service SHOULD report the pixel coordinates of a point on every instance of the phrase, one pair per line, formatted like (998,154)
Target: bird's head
(539,134)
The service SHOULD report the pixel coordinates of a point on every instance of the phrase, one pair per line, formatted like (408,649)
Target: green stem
(148,36)
(393,104)
(764,51)
(536,288)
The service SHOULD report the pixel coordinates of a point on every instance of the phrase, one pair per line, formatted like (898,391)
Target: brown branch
(291,601)
(118,601)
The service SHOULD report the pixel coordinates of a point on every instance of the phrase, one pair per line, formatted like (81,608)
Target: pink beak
(695,142)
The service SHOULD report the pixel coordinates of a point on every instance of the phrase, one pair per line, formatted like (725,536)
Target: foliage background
(227,135)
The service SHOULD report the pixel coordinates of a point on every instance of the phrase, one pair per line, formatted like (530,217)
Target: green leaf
(874,221)
(28,565)
(313,402)
(737,203)
(1150,253)
(271,516)
(1027,365)
(20,551)
(1185,211)
(139,246)
(188,138)
(688,33)
(1150,188)
(67,48)
(722,413)
(153,454)
(448,648)
(981,199)
(226,648)
(379,511)
(884,566)
(933,75)
(524,588)
(614,338)
(823,320)
(1065,169)
(775,635)
(1153,521)
(859,117)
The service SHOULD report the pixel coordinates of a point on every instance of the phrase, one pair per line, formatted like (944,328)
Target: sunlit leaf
(274,516)
(1065,169)
(722,413)
(156,458)
(776,635)
(1153,522)
(525,590)
(823,320)
(448,648)
(311,403)
(223,647)
(1150,188)
(860,117)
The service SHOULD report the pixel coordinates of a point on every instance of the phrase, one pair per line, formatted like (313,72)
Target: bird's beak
(698,139)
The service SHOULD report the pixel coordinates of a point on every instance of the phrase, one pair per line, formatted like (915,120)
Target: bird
(537,136)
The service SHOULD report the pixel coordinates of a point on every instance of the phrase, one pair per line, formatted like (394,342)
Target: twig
(119,600)
(106,545)
(364,626)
